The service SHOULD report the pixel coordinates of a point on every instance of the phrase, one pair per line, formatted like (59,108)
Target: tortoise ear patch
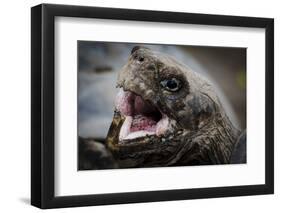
(135,48)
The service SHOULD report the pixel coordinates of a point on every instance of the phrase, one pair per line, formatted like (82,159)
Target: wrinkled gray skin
(199,133)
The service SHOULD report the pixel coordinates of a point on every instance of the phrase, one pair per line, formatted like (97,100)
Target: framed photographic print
(139,106)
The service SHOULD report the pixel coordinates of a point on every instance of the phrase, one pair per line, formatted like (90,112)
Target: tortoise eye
(171,84)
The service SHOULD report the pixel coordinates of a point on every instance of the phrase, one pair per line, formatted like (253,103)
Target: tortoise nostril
(141,59)
(138,58)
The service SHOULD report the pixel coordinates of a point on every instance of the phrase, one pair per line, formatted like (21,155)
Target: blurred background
(99,63)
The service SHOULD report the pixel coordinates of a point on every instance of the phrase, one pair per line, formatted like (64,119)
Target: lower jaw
(127,134)
(138,134)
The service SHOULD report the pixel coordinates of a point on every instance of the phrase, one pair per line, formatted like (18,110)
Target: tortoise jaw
(157,129)
(141,118)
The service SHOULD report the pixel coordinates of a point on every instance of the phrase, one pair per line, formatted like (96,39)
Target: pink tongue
(143,123)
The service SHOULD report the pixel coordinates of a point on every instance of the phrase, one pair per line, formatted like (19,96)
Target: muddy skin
(198,130)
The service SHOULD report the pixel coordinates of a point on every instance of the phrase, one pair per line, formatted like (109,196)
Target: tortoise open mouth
(141,117)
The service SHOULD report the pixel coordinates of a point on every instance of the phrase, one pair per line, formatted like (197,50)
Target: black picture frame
(43,117)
